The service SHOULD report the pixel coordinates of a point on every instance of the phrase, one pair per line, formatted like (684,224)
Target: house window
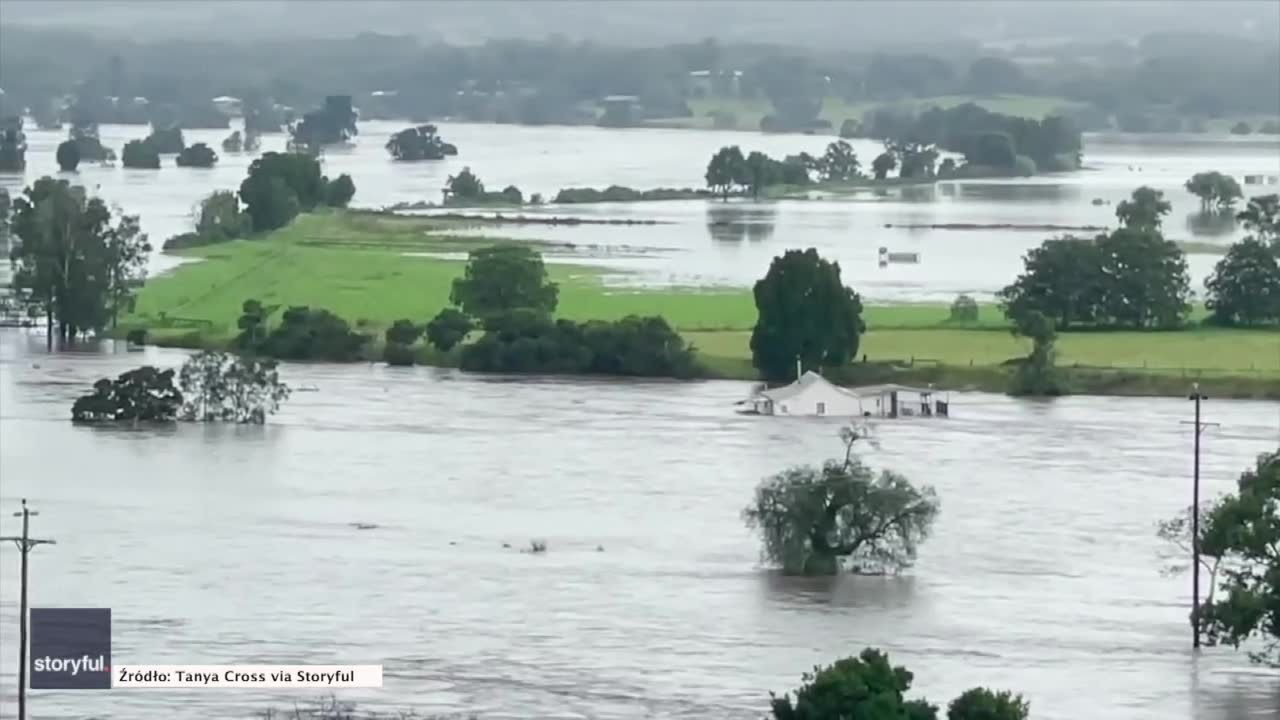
(822,408)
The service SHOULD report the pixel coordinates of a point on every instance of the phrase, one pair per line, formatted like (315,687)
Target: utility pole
(1196,396)
(24,543)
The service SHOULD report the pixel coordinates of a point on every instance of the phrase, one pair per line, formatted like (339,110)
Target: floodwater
(235,545)
(709,243)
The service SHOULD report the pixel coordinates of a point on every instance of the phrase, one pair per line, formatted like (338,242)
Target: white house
(810,395)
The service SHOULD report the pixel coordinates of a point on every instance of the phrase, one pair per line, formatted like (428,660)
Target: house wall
(806,403)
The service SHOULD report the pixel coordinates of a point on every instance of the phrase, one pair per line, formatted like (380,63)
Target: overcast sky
(828,24)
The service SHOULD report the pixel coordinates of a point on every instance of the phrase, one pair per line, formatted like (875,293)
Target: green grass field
(835,110)
(355,265)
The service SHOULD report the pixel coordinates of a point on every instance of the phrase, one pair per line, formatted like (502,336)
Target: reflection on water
(233,545)
(1211,223)
(739,222)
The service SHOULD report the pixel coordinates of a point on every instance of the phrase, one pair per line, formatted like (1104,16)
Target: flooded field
(236,545)
(711,243)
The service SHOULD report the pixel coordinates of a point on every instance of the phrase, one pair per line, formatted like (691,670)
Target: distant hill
(844,25)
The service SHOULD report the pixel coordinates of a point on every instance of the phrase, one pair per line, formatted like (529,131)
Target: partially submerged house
(814,395)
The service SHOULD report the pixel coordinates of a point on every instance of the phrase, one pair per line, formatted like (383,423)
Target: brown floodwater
(217,544)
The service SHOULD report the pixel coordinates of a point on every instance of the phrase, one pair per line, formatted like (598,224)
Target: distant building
(812,395)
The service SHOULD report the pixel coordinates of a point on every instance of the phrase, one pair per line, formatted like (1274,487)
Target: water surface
(235,545)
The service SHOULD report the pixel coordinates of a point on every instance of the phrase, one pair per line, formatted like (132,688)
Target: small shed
(891,400)
(811,395)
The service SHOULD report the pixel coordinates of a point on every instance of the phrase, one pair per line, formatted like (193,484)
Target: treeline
(1132,277)
(985,138)
(557,81)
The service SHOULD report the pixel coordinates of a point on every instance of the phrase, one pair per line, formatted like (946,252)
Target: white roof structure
(812,394)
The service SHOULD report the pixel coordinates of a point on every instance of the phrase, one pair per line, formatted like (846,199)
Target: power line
(25,542)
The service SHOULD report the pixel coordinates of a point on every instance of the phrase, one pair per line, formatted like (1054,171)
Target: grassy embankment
(355,265)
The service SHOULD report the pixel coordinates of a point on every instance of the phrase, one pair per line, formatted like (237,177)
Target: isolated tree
(1144,209)
(419,143)
(1261,218)
(145,394)
(805,312)
(334,122)
(68,156)
(167,140)
(839,162)
(338,192)
(884,164)
(1244,288)
(197,155)
(218,386)
(1244,528)
(448,328)
(726,169)
(863,688)
(1035,375)
(1217,192)
(279,186)
(1143,280)
(983,704)
(465,185)
(811,518)
(502,278)
(140,155)
(233,143)
(71,263)
(219,217)
(13,145)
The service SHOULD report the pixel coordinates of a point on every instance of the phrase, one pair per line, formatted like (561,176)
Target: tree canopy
(805,312)
(812,519)
(145,394)
(197,155)
(1244,288)
(419,143)
(141,155)
(280,185)
(71,262)
(502,278)
(68,156)
(1216,191)
(1244,529)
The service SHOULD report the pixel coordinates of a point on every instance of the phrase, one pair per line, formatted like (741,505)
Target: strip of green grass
(355,265)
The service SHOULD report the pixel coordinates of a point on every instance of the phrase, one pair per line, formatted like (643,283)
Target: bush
(198,155)
(448,328)
(397,354)
(964,309)
(403,332)
(68,156)
(1241,128)
(139,154)
(339,192)
(983,704)
(168,141)
(145,394)
(527,341)
(307,334)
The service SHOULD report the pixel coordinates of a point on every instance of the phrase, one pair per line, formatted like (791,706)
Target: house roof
(887,388)
(806,381)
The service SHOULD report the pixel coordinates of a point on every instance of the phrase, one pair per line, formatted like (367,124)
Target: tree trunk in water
(48,328)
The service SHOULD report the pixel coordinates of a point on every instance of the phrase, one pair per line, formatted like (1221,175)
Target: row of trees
(74,263)
(211,387)
(1133,277)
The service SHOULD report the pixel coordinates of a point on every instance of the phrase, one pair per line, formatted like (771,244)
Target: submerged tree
(145,394)
(222,387)
(884,164)
(812,518)
(419,143)
(1244,530)
(68,156)
(726,169)
(1217,192)
(197,155)
(866,687)
(13,145)
(839,163)
(1144,209)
